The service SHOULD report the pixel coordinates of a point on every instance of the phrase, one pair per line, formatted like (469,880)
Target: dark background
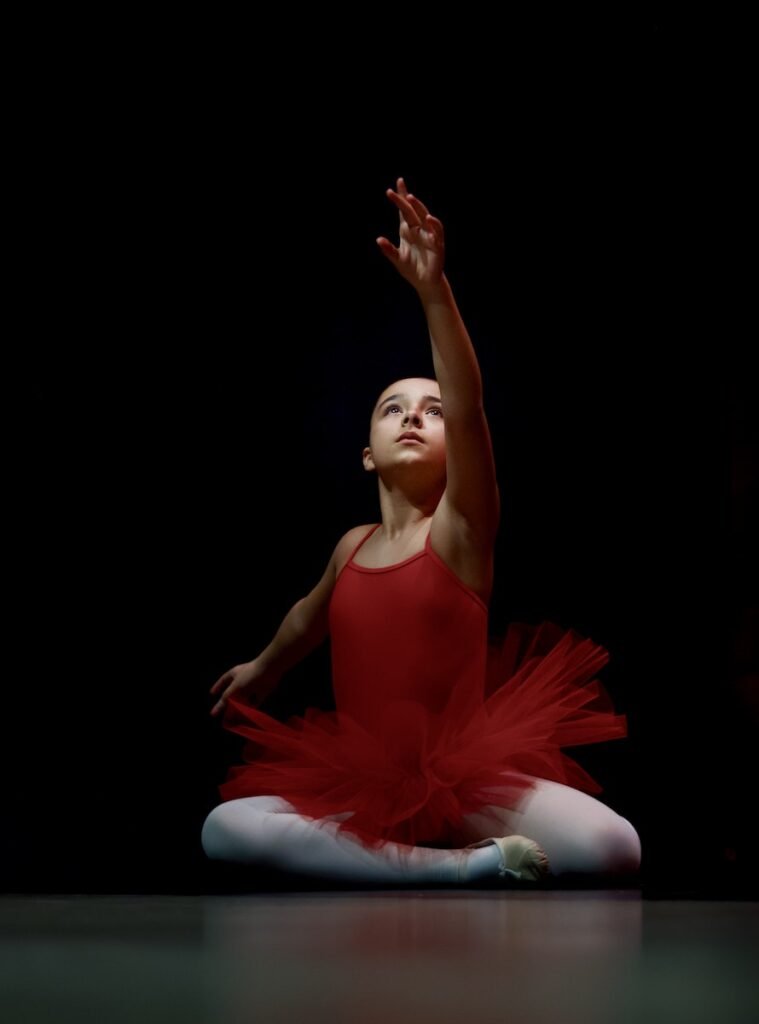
(209,322)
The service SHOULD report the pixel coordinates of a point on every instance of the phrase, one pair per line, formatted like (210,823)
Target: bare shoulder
(346,544)
(318,598)
(468,553)
(313,609)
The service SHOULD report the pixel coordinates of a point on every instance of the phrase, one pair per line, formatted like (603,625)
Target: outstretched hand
(420,255)
(252,681)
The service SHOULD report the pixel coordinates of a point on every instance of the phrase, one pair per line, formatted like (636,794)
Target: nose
(412,416)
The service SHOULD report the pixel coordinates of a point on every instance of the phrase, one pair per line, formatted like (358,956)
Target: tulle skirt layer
(416,774)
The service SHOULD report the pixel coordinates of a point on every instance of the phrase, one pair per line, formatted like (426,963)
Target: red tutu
(412,767)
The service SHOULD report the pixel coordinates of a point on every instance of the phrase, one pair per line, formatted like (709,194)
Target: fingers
(254,700)
(414,217)
(226,677)
(222,702)
(400,185)
(406,210)
(417,205)
(421,210)
(436,226)
(219,682)
(388,249)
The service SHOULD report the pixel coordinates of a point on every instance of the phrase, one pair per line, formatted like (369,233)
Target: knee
(618,846)
(219,836)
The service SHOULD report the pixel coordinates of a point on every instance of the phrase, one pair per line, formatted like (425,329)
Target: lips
(409,435)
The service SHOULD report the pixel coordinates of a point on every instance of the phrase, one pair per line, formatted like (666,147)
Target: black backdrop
(213,323)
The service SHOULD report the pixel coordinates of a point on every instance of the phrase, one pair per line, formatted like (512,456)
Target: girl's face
(410,405)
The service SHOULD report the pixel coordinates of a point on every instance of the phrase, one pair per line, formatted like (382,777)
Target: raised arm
(471,487)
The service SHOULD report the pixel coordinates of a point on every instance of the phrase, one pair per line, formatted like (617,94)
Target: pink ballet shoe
(521,858)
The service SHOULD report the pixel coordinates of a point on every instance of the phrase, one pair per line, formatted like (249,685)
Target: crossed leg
(577,832)
(267,830)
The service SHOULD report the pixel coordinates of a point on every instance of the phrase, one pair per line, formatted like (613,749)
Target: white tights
(577,832)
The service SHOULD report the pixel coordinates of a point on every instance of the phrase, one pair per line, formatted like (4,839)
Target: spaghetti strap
(363,539)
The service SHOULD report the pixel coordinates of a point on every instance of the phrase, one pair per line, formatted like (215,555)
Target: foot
(521,858)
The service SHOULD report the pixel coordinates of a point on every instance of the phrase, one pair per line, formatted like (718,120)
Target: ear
(368,459)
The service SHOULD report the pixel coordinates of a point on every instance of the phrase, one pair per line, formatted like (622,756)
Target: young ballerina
(442,760)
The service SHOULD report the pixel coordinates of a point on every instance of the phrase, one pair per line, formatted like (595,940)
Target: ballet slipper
(521,858)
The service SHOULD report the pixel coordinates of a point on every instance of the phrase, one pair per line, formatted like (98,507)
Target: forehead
(411,386)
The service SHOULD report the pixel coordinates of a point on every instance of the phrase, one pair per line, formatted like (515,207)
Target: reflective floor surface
(358,957)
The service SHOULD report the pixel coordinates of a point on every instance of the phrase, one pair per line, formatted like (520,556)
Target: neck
(402,517)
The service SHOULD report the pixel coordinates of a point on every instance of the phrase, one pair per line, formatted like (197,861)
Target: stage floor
(355,957)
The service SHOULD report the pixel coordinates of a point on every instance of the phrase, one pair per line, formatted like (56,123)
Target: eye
(436,409)
(391,407)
